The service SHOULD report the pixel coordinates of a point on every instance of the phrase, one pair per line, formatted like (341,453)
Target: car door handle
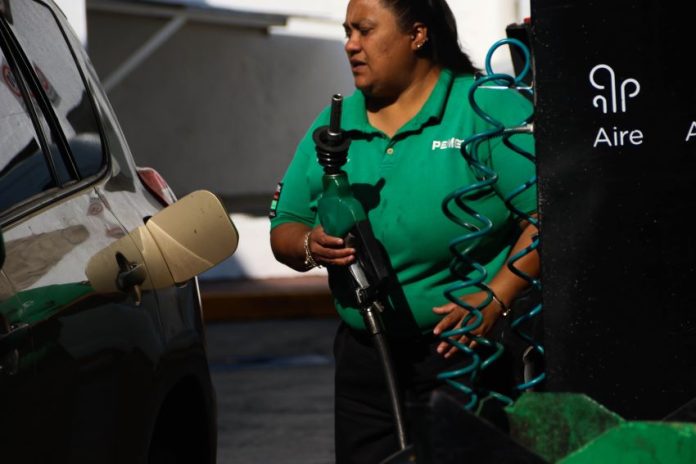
(130,277)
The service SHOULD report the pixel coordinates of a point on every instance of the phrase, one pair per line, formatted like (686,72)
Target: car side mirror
(178,243)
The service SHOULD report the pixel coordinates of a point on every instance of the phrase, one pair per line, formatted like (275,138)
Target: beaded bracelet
(309,259)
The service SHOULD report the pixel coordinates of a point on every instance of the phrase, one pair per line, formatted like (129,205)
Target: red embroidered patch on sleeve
(274,203)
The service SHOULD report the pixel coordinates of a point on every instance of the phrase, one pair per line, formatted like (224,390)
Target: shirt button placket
(388,157)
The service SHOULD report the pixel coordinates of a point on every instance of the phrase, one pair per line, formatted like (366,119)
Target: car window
(43,42)
(24,171)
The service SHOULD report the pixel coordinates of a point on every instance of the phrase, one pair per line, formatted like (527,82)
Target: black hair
(443,46)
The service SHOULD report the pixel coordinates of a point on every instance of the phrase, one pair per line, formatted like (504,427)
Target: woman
(406,122)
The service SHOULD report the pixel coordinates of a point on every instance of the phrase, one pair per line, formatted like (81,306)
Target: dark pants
(364,425)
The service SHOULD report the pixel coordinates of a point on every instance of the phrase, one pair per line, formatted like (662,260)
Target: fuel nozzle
(331,141)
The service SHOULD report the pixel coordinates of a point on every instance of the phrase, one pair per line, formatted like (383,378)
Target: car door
(92,353)
(23,176)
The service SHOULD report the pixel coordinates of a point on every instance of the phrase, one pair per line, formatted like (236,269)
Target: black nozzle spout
(331,141)
(335,121)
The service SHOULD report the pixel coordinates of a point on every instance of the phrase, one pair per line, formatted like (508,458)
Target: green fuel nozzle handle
(342,215)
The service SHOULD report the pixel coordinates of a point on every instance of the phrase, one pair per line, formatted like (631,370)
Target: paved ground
(274,382)
(270,335)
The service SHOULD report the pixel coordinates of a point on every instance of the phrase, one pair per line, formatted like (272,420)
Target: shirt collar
(355,114)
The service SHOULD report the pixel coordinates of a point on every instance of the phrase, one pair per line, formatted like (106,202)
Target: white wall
(481,24)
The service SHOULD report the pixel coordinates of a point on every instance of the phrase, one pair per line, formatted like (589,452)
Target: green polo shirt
(402,181)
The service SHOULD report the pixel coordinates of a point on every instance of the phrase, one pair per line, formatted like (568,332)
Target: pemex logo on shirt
(447,144)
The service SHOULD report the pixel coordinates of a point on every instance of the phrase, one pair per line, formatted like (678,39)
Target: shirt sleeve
(298,192)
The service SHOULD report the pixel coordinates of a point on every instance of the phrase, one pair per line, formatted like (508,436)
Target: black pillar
(616,147)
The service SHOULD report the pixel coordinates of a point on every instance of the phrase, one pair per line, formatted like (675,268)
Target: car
(102,340)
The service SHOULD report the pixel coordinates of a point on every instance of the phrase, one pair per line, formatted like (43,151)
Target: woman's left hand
(454,316)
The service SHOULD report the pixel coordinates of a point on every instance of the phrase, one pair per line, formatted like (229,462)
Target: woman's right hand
(328,250)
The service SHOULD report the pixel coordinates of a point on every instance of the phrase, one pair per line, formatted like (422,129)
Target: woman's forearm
(287,243)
